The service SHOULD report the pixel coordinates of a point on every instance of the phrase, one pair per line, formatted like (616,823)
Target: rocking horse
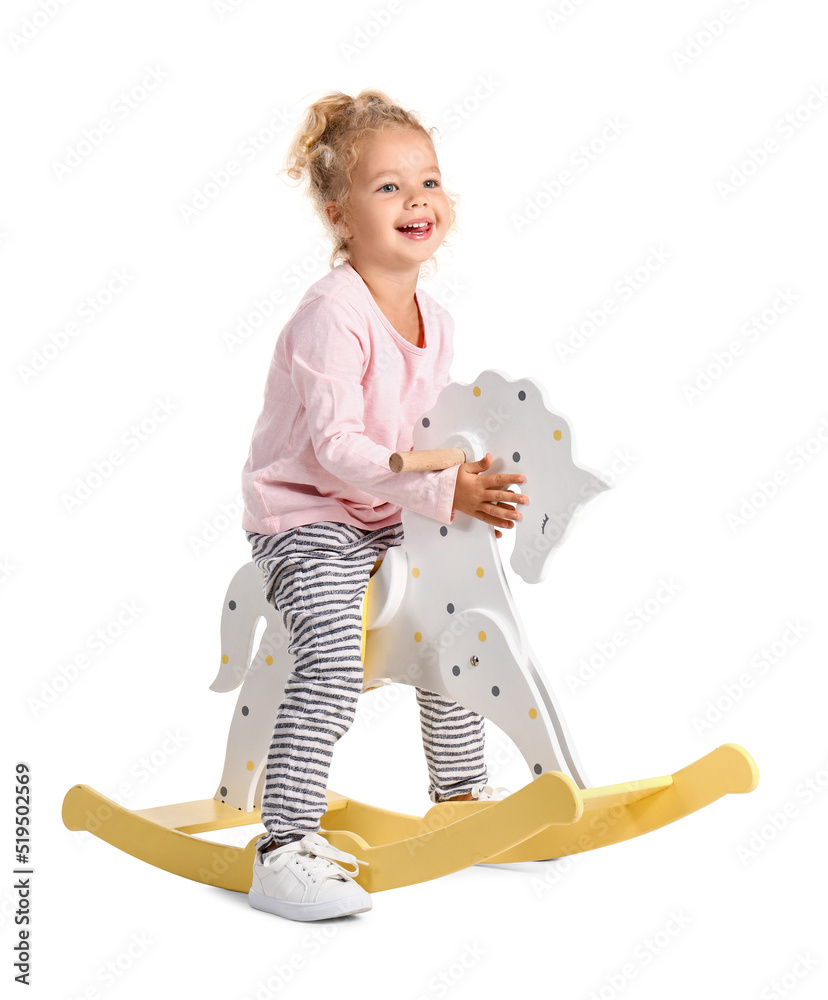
(438,614)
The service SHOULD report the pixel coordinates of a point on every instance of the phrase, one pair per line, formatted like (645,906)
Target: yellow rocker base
(548,818)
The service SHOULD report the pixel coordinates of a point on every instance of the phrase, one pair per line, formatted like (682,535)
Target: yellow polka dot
(415,572)
(481,636)
(533,713)
(477,390)
(225,658)
(479,571)
(557,435)
(418,637)
(250,765)
(269,660)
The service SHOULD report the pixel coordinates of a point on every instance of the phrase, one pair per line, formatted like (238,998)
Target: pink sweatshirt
(343,392)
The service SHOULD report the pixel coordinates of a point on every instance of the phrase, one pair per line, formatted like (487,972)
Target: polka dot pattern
(451,607)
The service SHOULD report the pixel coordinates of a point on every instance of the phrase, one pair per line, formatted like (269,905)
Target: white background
(514,96)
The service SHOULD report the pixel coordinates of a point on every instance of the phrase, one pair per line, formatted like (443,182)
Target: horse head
(512,419)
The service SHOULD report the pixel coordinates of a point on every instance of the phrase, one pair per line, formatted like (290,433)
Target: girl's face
(396,181)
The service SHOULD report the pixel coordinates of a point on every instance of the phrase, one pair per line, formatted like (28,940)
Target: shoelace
(318,856)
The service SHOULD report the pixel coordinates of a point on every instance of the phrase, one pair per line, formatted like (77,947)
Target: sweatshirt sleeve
(327,363)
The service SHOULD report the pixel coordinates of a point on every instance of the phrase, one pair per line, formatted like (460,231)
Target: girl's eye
(431,180)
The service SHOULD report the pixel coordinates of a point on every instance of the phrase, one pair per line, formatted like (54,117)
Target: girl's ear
(336,218)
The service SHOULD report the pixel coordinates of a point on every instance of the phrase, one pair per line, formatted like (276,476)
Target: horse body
(456,629)
(438,612)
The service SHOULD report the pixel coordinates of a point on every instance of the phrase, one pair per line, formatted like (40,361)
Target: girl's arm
(327,360)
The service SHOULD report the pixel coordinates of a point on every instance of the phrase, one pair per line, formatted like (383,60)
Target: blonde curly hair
(326,147)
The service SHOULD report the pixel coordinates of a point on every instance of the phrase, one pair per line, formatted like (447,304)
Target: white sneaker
(302,881)
(487,792)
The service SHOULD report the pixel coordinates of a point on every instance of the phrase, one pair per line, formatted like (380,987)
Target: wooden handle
(422,461)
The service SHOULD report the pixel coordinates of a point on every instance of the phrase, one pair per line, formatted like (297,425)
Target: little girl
(363,356)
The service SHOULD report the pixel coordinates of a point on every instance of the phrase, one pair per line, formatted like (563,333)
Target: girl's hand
(483,496)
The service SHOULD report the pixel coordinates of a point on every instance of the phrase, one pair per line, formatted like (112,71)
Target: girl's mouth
(418,233)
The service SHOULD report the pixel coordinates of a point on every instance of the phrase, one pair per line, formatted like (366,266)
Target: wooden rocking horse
(437,614)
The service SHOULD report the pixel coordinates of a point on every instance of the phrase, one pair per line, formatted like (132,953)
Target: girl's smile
(418,230)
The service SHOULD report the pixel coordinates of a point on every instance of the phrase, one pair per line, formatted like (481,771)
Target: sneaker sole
(310,911)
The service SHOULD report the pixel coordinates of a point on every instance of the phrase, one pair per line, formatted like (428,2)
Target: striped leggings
(316,576)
